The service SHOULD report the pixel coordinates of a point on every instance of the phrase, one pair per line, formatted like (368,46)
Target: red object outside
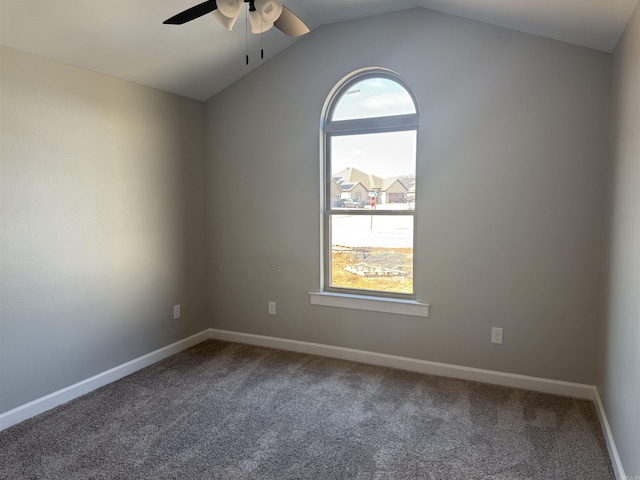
(373,201)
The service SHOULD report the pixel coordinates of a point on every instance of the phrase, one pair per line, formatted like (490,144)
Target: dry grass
(397,258)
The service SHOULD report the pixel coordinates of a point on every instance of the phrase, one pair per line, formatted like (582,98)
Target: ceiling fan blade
(290,24)
(192,13)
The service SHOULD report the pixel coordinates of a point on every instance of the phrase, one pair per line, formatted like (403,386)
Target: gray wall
(619,353)
(513,147)
(102,201)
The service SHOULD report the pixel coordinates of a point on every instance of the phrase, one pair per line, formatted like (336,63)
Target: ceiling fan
(263,14)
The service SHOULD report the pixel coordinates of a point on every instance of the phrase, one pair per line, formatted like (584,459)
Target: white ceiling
(126,38)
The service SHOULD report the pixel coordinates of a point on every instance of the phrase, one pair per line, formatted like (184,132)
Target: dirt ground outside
(377,261)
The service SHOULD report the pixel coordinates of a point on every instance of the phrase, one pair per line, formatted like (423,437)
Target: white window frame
(331,128)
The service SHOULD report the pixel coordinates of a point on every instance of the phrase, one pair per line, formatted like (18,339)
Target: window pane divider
(370,125)
(372,212)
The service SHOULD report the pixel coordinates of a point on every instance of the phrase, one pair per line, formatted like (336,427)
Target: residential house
(354,190)
(393,191)
(387,190)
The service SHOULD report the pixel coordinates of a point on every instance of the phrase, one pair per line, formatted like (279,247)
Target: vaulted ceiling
(126,38)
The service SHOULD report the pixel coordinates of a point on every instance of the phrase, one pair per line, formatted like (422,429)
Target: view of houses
(353,183)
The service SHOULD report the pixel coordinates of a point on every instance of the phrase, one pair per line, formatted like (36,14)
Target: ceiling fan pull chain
(261,49)
(246,35)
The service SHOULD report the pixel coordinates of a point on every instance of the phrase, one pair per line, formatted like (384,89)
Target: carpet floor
(228,411)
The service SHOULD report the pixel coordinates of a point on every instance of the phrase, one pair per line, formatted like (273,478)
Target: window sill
(373,304)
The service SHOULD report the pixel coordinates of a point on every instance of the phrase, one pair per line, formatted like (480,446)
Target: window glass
(372,252)
(373,97)
(376,160)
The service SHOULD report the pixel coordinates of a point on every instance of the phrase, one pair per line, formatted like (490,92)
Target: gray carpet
(228,411)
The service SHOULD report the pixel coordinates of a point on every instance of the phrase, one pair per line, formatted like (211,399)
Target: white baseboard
(577,390)
(608,438)
(42,404)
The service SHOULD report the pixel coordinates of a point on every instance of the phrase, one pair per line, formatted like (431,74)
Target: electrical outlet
(496,335)
(272,308)
(176,312)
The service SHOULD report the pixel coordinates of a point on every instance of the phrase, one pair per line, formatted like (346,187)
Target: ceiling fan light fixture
(229,8)
(258,25)
(226,22)
(269,10)
(227,12)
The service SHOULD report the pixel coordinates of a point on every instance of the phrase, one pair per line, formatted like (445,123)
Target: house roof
(388,182)
(347,187)
(371,182)
(352,175)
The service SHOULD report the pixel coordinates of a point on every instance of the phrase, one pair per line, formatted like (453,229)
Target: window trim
(370,303)
(372,125)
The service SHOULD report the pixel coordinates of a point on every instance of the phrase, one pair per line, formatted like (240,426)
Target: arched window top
(374,96)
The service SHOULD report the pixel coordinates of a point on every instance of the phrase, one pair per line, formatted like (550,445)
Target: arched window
(369,183)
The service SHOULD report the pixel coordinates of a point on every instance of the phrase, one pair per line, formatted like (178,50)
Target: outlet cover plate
(496,335)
